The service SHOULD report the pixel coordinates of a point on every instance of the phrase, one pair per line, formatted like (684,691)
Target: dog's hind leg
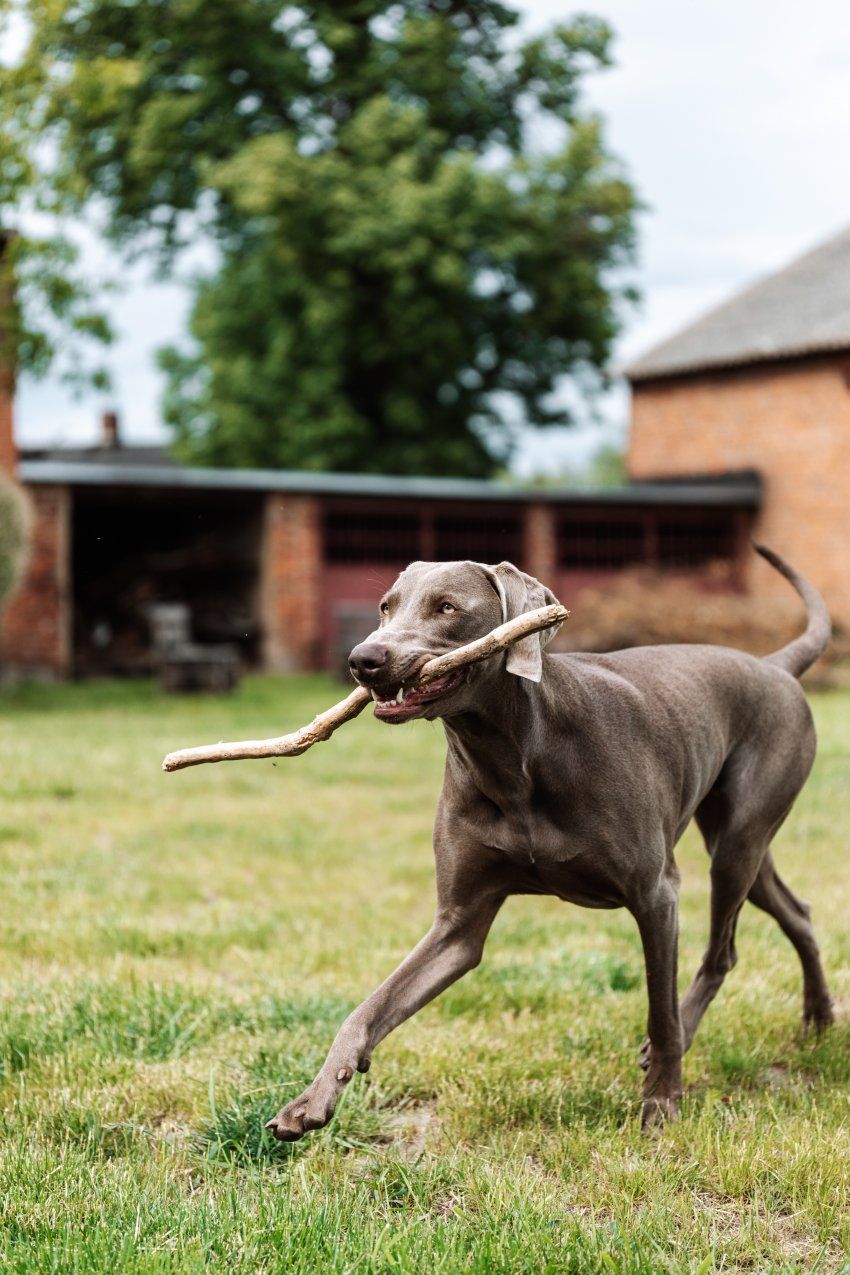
(772,895)
(733,868)
(738,819)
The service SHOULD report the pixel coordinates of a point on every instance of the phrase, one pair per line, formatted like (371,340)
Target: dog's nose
(367,660)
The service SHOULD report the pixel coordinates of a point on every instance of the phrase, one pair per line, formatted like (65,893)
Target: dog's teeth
(398,698)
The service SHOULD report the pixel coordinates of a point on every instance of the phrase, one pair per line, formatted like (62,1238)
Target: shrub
(14,535)
(644,606)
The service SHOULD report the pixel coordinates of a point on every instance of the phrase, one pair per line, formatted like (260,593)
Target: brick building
(741,423)
(289,566)
(763,383)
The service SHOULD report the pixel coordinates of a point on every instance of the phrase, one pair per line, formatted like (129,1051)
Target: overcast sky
(734,121)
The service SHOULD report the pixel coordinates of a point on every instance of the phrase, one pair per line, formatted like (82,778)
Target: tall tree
(419,227)
(48,313)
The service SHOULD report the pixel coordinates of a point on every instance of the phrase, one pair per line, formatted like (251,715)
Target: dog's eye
(385,608)
(447,608)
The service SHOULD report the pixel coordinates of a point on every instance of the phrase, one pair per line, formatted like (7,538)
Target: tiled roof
(802,309)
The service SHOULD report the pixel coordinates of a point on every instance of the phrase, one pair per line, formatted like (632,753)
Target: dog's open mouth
(397,704)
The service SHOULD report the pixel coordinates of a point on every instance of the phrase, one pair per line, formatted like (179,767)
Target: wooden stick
(496,640)
(321,728)
(324,724)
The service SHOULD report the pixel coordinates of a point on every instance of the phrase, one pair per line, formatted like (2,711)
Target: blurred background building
(400,243)
(289,565)
(763,382)
(740,427)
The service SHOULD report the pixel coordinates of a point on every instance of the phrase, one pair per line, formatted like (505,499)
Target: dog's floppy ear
(519,593)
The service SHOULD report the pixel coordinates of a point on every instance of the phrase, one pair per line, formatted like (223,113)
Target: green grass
(177,951)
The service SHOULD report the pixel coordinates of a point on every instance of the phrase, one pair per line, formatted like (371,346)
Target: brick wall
(540,548)
(35,626)
(790,421)
(290,583)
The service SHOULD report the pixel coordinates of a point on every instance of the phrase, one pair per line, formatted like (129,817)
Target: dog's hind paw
(658,1111)
(818,1016)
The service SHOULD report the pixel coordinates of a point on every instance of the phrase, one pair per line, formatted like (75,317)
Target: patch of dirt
(598,1216)
(449,1206)
(797,1246)
(782,1076)
(779,1076)
(841,1009)
(170,1131)
(409,1127)
(794,1243)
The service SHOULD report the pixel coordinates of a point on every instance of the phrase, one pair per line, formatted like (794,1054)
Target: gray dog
(575,776)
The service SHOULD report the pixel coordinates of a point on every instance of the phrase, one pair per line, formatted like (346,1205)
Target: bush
(644,606)
(14,536)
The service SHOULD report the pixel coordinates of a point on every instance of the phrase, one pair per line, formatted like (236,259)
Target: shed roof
(738,490)
(800,310)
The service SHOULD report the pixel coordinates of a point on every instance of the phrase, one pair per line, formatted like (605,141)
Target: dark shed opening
(134,547)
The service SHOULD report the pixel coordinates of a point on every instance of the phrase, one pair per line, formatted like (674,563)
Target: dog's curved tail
(798,655)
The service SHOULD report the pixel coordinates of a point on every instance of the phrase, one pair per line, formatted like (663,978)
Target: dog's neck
(495,743)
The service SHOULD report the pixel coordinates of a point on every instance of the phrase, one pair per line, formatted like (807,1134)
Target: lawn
(178,950)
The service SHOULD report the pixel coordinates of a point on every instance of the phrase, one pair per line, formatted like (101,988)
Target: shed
(290,565)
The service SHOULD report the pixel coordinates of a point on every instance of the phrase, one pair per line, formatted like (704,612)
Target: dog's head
(434,607)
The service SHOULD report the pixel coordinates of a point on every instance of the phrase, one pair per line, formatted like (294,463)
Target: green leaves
(14,535)
(403,272)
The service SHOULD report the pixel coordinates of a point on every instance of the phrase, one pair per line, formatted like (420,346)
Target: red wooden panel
(346,585)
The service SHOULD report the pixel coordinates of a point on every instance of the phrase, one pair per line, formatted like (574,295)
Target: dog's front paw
(312,1110)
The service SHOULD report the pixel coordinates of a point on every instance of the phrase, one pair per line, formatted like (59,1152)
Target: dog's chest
(527,839)
(549,841)
(520,822)
(547,858)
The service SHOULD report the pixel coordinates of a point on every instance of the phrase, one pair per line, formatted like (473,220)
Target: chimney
(109,438)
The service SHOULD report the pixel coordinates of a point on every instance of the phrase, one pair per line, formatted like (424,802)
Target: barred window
(354,536)
(490,537)
(600,544)
(693,541)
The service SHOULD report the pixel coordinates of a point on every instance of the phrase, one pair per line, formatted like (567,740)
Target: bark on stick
(324,725)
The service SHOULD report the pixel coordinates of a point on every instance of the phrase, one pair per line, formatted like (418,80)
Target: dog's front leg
(658,920)
(451,947)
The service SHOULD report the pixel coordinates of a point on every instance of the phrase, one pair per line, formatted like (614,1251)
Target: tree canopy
(419,227)
(48,312)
